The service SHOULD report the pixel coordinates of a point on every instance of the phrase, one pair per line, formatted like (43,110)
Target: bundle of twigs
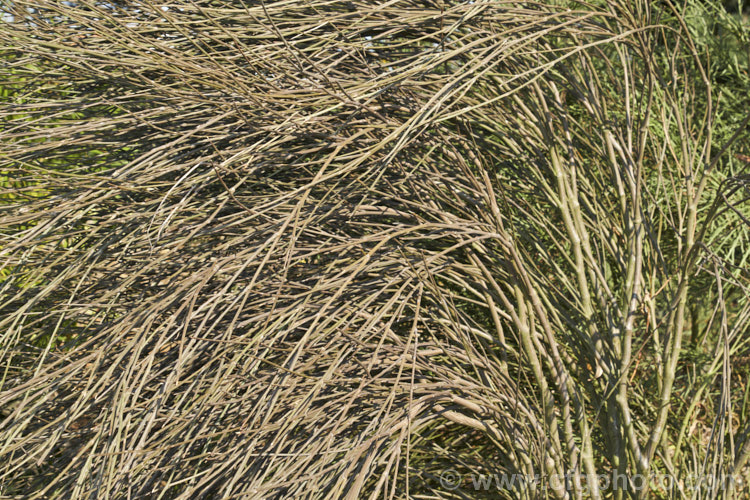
(332,249)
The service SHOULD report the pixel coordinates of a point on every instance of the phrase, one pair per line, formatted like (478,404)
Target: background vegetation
(331,249)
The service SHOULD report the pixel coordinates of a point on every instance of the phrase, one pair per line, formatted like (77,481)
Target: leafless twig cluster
(329,249)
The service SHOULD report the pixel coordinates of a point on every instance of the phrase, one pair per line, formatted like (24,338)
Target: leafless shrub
(331,249)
